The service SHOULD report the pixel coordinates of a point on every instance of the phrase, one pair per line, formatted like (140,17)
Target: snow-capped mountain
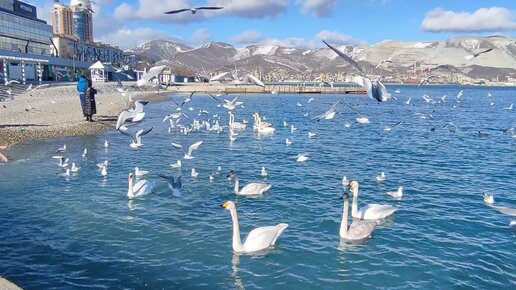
(401,58)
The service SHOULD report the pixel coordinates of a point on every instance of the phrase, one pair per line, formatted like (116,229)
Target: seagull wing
(177,146)
(345,57)
(193,147)
(209,8)
(397,124)
(177,11)
(139,105)
(142,133)
(123,117)
(213,97)
(178,184)
(132,136)
(485,51)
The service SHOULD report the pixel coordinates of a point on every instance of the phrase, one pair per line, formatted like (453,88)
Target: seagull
(374,89)
(150,74)
(194,10)
(329,114)
(489,199)
(85,153)
(388,129)
(363,119)
(174,116)
(102,164)
(106,144)
(301,157)
(29,88)
(264,172)
(345,57)
(311,134)
(408,101)
(7,83)
(194,173)
(288,142)
(104,171)
(396,194)
(75,169)
(176,165)
(63,161)
(175,186)
(381,177)
(62,149)
(137,137)
(474,55)
(425,80)
(510,107)
(188,155)
(292,128)
(230,105)
(139,172)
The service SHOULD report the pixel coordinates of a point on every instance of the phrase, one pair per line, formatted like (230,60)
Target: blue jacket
(82,85)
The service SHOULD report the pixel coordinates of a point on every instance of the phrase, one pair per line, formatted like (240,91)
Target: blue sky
(296,23)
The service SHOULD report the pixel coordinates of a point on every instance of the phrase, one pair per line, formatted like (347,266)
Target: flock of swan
(364,219)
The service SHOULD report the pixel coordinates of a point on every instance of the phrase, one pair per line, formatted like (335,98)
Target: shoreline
(56,112)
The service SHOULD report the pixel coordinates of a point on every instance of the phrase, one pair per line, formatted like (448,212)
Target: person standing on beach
(90,107)
(82,85)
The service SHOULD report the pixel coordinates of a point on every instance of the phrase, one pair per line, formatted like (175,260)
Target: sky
(295,23)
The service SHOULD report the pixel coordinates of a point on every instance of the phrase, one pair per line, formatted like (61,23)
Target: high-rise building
(21,30)
(74,20)
(62,20)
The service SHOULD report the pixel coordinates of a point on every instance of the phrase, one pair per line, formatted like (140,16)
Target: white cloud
(321,8)
(248,37)
(483,20)
(200,36)
(297,42)
(154,9)
(337,38)
(127,38)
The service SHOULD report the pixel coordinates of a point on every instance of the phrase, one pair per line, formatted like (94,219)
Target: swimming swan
(370,211)
(141,188)
(358,230)
(257,239)
(251,188)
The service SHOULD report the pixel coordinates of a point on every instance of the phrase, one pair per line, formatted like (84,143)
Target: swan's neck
(130,192)
(354,205)
(237,243)
(344,221)
(236,184)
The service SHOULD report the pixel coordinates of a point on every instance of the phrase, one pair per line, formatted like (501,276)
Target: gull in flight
(75,169)
(136,137)
(388,129)
(329,114)
(63,162)
(230,105)
(345,57)
(62,149)
(150,74)
(194,10)
(474,55)
(188,155)
(425,81)
(510,107)
(175,186)
(408,101)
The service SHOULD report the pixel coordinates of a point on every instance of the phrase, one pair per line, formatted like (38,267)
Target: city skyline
(299,23)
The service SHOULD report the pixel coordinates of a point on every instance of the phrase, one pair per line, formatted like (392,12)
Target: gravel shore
(56,111)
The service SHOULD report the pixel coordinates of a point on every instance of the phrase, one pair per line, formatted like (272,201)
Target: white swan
(489,199)
(396,194)
(258,239)
(141,188)
(251,188)
(235,125)
(370,211)
(358,230)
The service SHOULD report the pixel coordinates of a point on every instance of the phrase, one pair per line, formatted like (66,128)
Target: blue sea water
(82,232)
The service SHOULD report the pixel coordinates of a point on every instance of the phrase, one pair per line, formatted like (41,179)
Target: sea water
(82,231)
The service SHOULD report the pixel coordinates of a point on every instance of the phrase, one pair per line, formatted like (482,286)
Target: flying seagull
(193,10)
(175,186)
(472,56)
(375,89)
(425,80)
(136,137)
(345,57)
